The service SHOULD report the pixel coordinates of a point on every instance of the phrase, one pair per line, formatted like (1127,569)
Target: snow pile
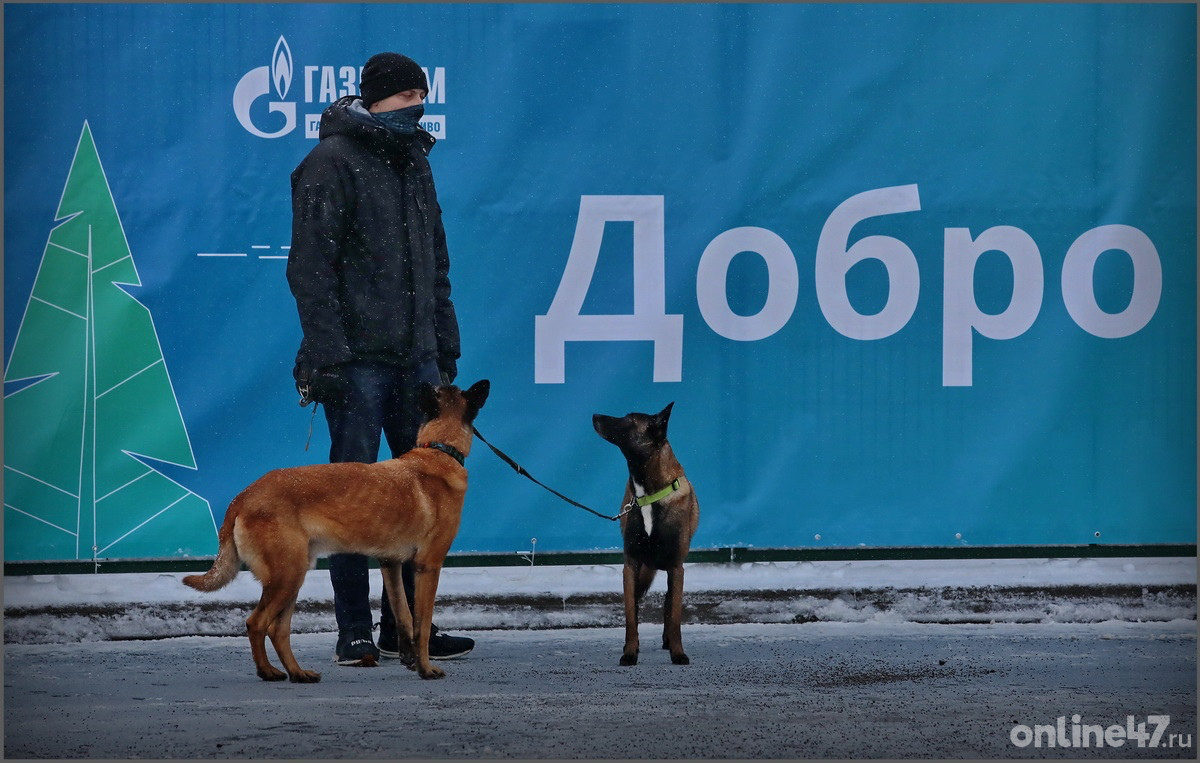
(63,608)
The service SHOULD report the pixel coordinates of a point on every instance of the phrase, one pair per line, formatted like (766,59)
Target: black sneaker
(441,645)
(389,643)
(355,648)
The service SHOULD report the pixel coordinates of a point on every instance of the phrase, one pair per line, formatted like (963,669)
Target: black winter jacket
(368,265)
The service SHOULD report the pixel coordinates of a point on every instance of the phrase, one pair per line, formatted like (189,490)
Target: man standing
(369,270)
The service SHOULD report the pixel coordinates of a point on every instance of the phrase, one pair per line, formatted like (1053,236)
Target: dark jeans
(380,398)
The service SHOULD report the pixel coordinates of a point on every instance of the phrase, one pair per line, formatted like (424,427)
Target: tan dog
(406,507)
(658,521)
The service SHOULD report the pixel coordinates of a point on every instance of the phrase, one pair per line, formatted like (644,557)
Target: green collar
(646,500)
(449,450)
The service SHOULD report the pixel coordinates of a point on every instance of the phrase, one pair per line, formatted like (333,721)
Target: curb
(118,621)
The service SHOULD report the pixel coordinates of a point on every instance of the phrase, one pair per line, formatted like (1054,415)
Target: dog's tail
(228,562)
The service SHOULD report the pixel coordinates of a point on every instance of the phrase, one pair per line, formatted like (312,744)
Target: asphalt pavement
(753,691)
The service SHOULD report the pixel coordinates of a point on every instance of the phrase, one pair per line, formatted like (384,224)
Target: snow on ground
(57,608)
(109,588)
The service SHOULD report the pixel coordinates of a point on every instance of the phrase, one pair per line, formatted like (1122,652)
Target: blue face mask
(402,121)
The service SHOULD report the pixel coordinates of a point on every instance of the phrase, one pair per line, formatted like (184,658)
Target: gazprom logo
(267,81)
(262,105)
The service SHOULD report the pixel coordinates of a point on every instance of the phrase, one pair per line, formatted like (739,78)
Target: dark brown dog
(658,521)
(406,507)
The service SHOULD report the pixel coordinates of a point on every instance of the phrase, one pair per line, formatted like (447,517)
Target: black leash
(521,471)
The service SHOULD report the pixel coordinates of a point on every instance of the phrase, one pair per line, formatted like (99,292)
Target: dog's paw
(629,659)
(304,677)
(433,673)
(271,673)
(680,659)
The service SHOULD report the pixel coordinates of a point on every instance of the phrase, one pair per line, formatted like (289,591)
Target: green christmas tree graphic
(92,405)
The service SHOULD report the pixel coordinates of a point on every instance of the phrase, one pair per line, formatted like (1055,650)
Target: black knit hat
(390,73)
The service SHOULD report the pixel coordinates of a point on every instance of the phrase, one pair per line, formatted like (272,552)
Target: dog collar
(646,500)
(449,450)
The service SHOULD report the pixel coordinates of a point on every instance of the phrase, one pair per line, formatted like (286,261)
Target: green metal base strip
(729,555)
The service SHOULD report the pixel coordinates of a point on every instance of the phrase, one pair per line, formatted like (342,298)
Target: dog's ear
(427,400)
(665,413)
(657,428)
(476,396)
(664,416)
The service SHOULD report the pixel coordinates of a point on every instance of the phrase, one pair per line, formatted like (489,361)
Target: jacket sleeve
(322,201)
(445,318)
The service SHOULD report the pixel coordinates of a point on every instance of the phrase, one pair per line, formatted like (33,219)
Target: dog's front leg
(398,601)
(673,616)
(630,654)
(424,593)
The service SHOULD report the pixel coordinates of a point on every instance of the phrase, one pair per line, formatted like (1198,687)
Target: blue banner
(911,274)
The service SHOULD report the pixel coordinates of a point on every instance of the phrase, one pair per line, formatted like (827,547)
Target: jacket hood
(348,116)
